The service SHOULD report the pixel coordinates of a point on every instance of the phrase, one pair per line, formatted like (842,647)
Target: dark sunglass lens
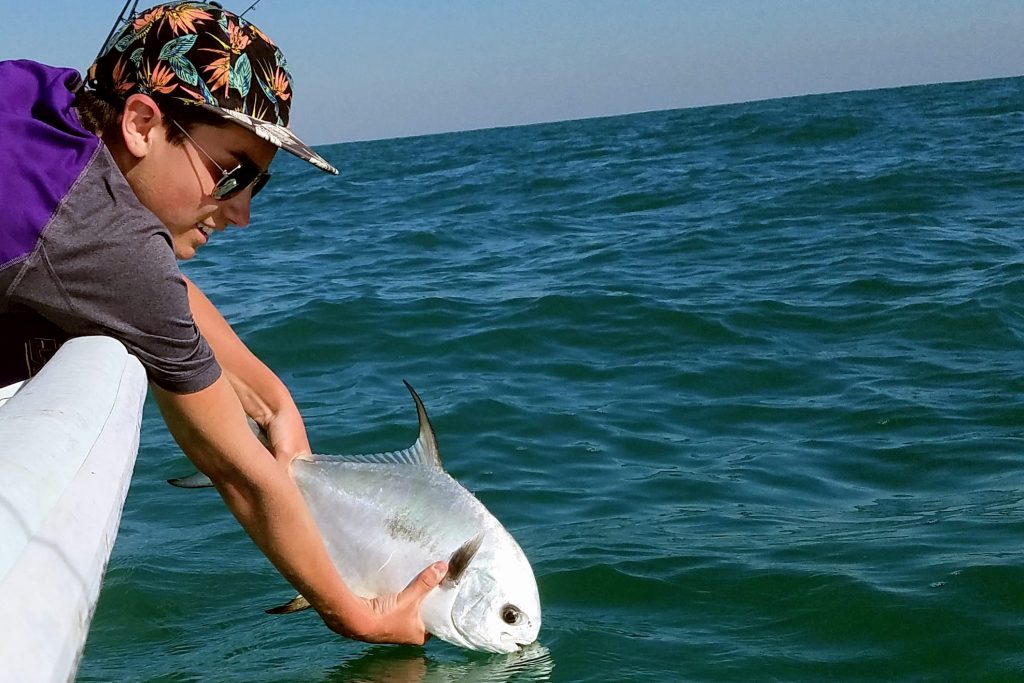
(226,188)
(261,182)
(235,180)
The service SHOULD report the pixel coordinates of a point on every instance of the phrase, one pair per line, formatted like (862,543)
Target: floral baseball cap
(201,54)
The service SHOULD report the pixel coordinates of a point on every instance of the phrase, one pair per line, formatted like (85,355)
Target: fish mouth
(509,644)
(505,645)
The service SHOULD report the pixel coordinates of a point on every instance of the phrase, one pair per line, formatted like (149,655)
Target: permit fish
(385,517)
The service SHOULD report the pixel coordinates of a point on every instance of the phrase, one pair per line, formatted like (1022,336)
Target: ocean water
(746,383)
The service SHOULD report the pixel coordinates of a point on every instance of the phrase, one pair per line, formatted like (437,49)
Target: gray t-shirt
(86,257)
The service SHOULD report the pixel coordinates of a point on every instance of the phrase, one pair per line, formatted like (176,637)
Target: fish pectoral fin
(193,481)
(461,558)
(297,604)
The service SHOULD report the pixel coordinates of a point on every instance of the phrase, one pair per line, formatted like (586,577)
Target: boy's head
(193,102)
(205,63)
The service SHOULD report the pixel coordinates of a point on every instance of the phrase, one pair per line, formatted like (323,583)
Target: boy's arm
(211,429)
(263,395)
(257,487)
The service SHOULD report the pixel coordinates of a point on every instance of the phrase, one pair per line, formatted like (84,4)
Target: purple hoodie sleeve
(41,156)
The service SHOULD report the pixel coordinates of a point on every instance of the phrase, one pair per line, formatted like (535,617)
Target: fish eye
(510,614)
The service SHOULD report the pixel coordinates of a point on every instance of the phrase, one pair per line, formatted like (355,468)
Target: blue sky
(368,69)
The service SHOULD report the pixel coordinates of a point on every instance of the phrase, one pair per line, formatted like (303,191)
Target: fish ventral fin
(423,452)
(297,604)
(460,559)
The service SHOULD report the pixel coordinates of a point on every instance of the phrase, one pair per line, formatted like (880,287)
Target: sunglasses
(234,181)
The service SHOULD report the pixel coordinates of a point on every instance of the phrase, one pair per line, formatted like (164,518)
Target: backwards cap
(199,53)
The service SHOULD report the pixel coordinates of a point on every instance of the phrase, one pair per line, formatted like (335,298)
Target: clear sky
(368,69)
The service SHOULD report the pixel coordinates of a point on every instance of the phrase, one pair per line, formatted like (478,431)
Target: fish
(387,516)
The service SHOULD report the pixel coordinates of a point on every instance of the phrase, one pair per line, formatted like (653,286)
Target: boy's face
(175,182)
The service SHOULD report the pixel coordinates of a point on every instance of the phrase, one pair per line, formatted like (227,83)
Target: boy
(104,184)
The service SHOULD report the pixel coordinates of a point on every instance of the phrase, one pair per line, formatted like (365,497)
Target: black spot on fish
(401,528)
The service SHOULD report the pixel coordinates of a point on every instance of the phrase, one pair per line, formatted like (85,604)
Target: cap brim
(275,135)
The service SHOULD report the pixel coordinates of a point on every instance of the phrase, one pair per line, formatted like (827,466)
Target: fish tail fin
(200,480)
(193,481)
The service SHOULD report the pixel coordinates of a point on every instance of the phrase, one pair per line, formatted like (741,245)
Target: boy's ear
(141,119)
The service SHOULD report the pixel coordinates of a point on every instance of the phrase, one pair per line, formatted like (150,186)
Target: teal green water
(745,382)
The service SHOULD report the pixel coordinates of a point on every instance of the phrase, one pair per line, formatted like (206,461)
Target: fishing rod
(250,7)
(121,20)
(117,24)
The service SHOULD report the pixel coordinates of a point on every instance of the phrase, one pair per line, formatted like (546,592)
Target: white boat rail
(68,442)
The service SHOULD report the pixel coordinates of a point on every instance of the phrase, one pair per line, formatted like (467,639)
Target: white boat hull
(68,441)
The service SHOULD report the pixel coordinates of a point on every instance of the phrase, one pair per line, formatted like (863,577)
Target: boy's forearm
(263,395)
(271,510)
(257,488)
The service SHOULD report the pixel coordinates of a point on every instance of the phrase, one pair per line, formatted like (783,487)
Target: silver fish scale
(383,523)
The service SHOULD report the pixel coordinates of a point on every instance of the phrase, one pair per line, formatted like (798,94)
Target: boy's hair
(101,116)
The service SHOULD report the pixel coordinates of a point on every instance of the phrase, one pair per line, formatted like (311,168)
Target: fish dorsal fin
(423,452)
